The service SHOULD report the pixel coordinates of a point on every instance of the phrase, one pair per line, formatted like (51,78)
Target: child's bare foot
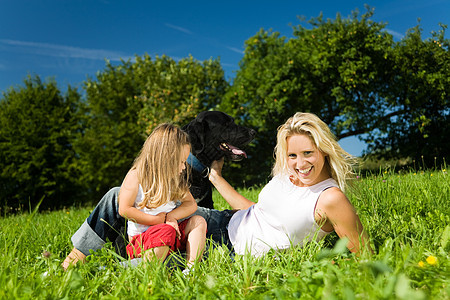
(74,256)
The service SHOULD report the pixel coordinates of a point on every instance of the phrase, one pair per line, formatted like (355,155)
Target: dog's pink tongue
(237,151)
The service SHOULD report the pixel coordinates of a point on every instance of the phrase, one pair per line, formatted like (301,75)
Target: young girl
(148,195)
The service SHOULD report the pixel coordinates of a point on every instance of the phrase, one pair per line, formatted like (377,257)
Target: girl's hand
(162,217)
(174,223)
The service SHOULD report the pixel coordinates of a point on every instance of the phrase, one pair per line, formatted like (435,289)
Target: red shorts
(157,236)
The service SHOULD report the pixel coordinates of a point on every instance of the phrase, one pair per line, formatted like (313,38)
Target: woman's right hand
(216,169)
(234,199)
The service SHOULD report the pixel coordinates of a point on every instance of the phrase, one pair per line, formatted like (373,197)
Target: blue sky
(70,39)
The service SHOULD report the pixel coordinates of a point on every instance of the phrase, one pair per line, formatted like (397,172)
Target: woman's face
(184,156)
(305,162)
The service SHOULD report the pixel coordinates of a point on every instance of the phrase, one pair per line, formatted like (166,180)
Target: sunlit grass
(406,215)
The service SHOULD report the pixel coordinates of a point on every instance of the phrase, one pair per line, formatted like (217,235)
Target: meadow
(405,213)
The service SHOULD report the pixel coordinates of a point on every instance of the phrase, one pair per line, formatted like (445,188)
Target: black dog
(213,135)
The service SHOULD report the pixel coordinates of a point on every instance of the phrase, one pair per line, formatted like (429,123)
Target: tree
(37,130)
(417,92)
(180,90)
(336,69)
(127,101)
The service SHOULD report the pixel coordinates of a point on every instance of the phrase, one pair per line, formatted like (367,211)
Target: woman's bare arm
(339,213)
(234,199)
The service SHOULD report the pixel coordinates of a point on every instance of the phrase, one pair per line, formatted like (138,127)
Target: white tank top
(135,228)
(283,217)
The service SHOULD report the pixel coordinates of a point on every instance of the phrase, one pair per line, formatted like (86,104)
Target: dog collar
(197,165)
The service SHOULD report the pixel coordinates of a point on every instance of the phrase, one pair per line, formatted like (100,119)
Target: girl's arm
(127,196)
(234,199)
(339,214)
(188,207)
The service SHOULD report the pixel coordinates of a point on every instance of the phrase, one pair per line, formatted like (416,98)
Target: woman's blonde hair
(338,162)
(158,166)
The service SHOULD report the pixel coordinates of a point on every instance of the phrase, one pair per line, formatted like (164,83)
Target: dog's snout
(252,133)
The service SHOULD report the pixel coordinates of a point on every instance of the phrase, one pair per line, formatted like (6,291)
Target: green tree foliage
(180,90)
(333,69)
(351,73)
(418,115)
(37,130)
(125,102)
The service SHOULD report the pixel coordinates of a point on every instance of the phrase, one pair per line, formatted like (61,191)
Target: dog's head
(214,135)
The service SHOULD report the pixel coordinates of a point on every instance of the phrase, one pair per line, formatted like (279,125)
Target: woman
(303,201)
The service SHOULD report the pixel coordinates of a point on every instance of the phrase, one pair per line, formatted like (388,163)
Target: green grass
(406,215)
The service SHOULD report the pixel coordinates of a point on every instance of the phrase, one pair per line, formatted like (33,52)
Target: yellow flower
(415,173)
(432,260)
(421,264)
(431,174)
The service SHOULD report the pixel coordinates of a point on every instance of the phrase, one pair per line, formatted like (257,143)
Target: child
(148,195)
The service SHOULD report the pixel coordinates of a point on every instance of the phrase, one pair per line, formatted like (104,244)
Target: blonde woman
(303,201)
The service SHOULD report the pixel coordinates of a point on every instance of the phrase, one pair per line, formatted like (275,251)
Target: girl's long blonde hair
(158,166)
(338,162)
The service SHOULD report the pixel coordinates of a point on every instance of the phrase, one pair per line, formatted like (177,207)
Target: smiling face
(306,163)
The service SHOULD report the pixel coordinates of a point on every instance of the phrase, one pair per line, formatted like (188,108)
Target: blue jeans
(217,222)
(105,223)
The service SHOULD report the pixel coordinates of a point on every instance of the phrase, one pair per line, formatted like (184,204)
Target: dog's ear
(196,132)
